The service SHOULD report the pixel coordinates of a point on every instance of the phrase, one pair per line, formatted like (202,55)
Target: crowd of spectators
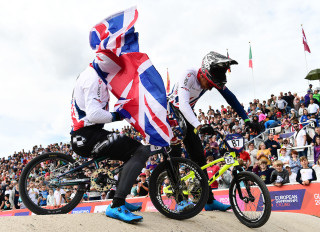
(273,159)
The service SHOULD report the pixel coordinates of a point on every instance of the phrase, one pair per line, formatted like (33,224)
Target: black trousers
(94,141)
(194,148)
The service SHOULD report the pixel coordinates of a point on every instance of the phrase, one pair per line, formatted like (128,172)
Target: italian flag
(250,58)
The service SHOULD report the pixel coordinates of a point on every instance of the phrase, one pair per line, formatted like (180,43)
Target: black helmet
(214,67)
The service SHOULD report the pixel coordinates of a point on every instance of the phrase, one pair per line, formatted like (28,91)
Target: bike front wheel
(250,199)
(41,189)
(170,194)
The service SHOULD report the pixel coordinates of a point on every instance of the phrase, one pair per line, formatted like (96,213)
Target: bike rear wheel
(41,175)
(254,209)
(165,194)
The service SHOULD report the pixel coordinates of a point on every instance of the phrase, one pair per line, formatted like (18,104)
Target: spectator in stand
(284,157)
(301,109)
(264,153)
(214,146)
(272,145)
(50,198)
(300,139)
(307,98)
(292,175)
(279,176)
(306,174)
(253,155)
(7,204)
(310,90)
(281,104)
(152,164)
(142,187)
(211,171)
(316,95)
(245,156)
(316,168)
(304,118)
(296,104)
(294,162)
(316,134)
(316,149)
(42,200)
(313,108)
(148,175)
(263,171)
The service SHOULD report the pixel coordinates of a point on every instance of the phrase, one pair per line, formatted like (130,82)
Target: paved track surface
(205,221)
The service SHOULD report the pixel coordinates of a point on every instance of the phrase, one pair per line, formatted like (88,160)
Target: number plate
(229,160)
(235,143)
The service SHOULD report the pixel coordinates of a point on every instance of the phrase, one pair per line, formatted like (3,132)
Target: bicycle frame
(233,162)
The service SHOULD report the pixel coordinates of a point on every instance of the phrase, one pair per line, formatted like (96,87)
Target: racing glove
(116,116)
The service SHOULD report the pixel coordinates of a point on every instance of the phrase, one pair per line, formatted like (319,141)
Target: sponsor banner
(77,210)
(288,198)
(22,214)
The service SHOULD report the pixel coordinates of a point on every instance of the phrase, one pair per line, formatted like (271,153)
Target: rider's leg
(194,147)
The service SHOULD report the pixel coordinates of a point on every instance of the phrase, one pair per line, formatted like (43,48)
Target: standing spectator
(273,146)
(316,149)
(281,104)
(279,176)
(292,175)
(42,200)
(310,90)
(316,168)
(152,164)
(316,95)
(214,146)
(14,196)
(211,171)
(306,174)
(245,156)
(253,155)
(33,192)
(296,104)
(263,171)
(50,198)
(300,139)
(143,187)
(316,134)
(284,157)
(58,199)
(301,109)
(294,162)
(313,108)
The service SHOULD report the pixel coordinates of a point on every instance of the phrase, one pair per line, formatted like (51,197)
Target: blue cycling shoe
(184,205)
(123,214)
(216,205)
(132,207)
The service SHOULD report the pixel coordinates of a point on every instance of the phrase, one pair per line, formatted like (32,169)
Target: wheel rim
(44,184)
(173,201)
(250,209)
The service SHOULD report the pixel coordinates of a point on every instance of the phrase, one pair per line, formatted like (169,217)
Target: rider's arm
(233,102)
(94,104)
(185,85)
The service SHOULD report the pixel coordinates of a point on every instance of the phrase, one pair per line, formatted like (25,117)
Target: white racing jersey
(185,94)
(90,101)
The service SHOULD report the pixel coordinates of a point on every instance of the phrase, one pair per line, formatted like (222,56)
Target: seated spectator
(316,168)
(214,146)
(43,194)
(211,171)
(263,171)
(279,176)
(301,110)
(7,204)
(292,175)
(306,174)
(294,162)
(143,187)
(264,153)
(134,191)
(152,164)
(317,133)
(148,175)
(285,159)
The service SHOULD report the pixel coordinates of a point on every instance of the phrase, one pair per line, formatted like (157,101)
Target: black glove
(249,125)
(206,129)
(116,116)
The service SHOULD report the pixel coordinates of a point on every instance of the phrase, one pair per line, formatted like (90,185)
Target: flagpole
(305,58)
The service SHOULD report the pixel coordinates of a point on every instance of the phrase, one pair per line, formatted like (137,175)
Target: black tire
(250,216)
(197,186)
(24,192)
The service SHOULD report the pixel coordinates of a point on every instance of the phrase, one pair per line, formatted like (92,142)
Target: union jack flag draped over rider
(131,77)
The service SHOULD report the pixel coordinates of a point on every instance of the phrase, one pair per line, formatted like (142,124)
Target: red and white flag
(305,43)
